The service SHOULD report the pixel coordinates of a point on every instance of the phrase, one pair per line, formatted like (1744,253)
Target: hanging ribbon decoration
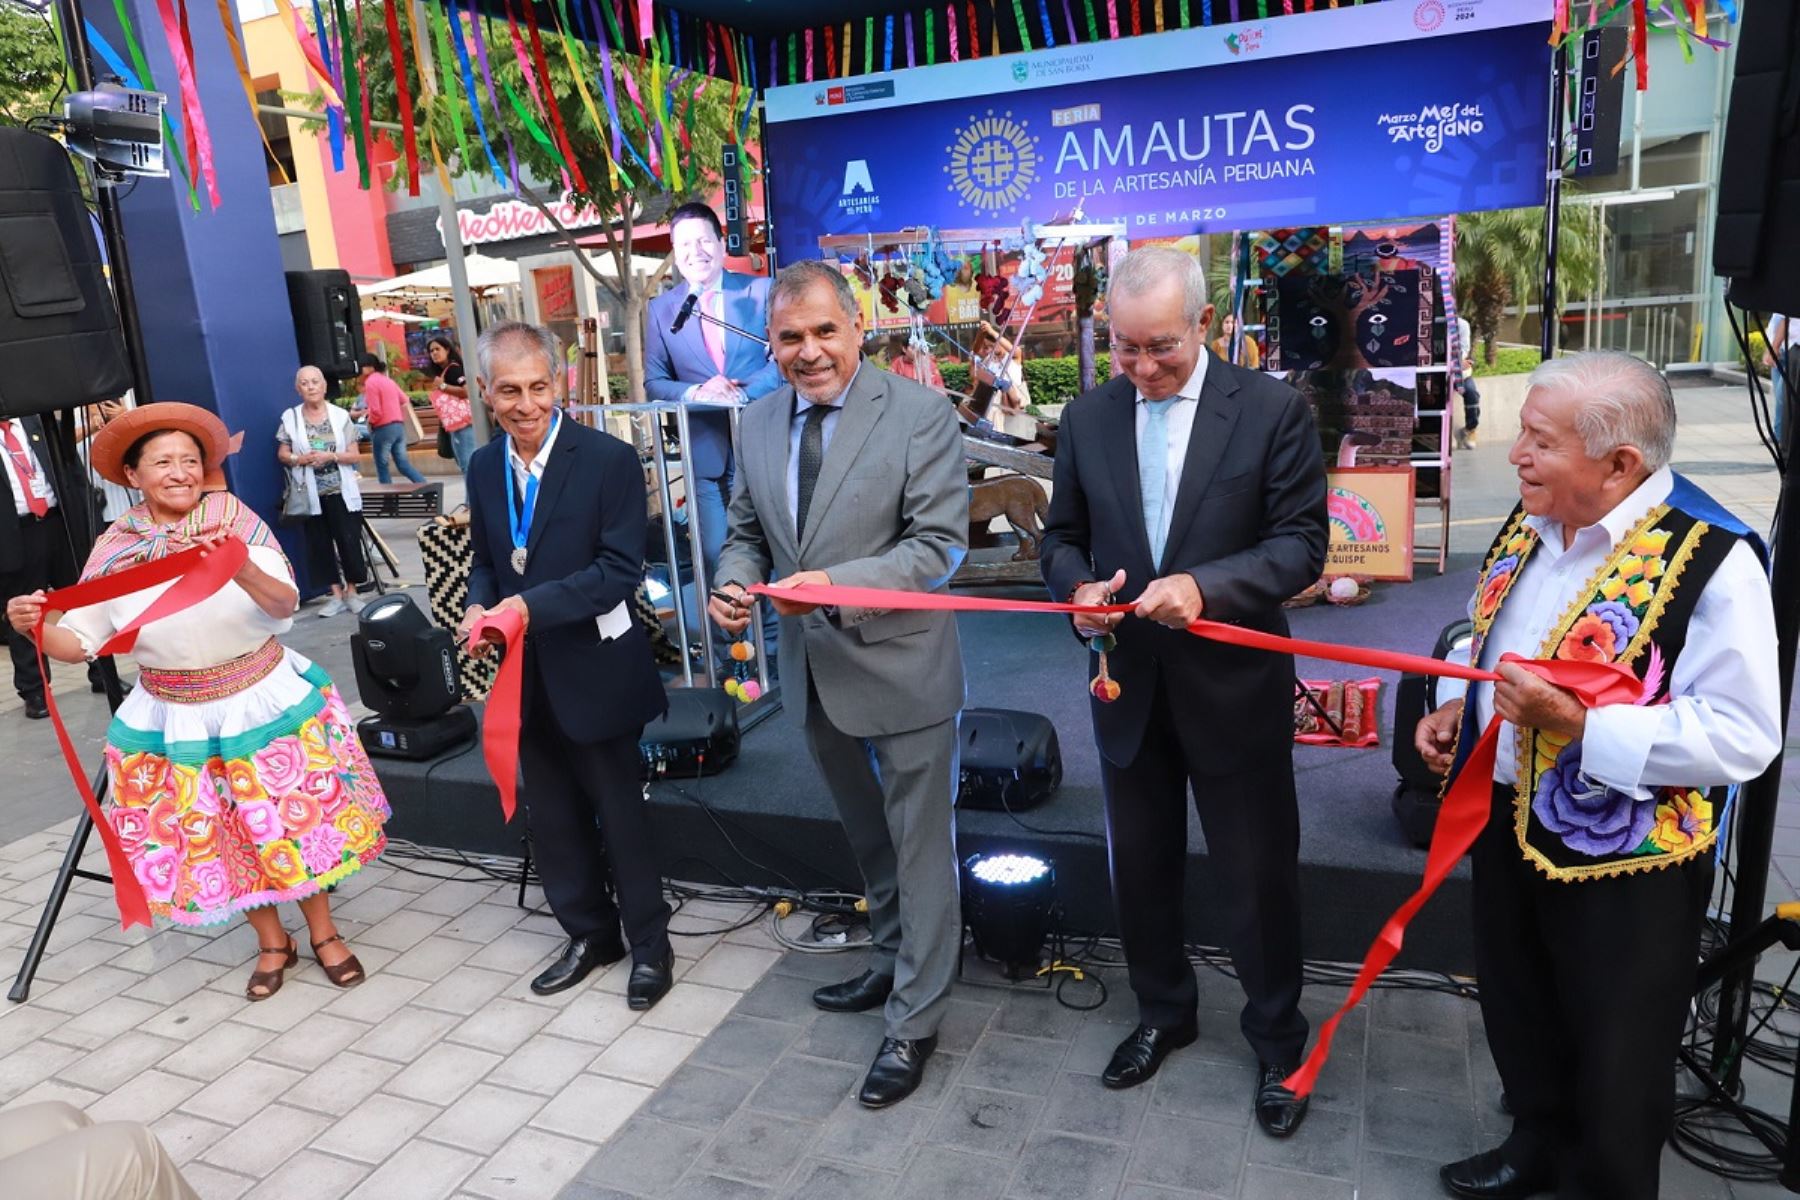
(1112,19)
(747,63)
(1137,19)
(664,94)
(409,139)
(1092,27)
(138,79)
(869,44)
(1640,42)
(477,27)
(561,15)
(605,26)
(1069,20)
(368,87)
(887,42)
(451,69)
(468,79)
(538,102)
(1018,19)
(195,575)
(1049,29)
(428,93)
(543,68)
(317,54)
(911,58)
(847,60)
(830,51)
(352,93)
(950,24)
(199,138)
(228,19)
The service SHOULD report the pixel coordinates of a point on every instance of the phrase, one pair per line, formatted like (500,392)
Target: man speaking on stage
(1193,488)
(853,476)
(702,360)
(1596,864)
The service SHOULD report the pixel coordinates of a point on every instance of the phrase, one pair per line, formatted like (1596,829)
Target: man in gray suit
(855,477)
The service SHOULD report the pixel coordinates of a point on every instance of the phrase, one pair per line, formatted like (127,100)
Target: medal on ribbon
(517,523)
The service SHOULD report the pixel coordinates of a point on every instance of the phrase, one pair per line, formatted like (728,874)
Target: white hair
(1623,401)
(1149,266)
(516,336)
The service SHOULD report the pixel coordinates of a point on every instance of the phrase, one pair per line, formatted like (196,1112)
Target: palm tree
(1500,261)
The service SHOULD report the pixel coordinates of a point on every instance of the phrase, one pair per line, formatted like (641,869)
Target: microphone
(687,310)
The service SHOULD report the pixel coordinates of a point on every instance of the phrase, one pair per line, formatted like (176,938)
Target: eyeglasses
(1162,350)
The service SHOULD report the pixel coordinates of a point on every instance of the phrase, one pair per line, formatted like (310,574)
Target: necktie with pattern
(1153,471)
(812,455)
(23,467)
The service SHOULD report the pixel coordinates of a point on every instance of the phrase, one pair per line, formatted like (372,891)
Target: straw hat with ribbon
(107,450)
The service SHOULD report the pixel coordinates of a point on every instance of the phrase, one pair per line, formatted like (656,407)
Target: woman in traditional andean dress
(237,779)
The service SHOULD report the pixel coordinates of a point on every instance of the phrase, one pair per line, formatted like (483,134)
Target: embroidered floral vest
(1635,610)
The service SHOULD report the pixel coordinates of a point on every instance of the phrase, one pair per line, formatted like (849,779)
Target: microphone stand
(725,325)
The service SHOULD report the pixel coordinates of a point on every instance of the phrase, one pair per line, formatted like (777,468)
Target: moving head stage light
(119,129)
(406,671)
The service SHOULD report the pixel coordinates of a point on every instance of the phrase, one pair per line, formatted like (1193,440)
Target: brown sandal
(348,973)
(270,981)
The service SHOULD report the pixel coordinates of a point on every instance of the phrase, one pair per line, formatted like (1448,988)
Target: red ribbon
(1466,804)
(197,573)
(501,723)
(409,142)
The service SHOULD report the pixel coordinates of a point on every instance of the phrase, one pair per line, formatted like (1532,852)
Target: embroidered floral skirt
(257,797)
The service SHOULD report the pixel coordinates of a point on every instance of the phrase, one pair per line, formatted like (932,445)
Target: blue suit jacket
(674,362)
(585,554)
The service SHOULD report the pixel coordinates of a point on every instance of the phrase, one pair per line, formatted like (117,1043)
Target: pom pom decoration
(742,685)
(1103,687)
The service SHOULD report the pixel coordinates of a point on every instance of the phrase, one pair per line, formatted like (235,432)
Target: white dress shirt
(1722,722)
(522,470)
(1790,333)
(1180,430)
(20,507)
(797,426)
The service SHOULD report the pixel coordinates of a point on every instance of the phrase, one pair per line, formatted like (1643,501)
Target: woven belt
(213,683)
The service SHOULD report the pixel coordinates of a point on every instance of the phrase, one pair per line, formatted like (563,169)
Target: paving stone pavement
(443,1076)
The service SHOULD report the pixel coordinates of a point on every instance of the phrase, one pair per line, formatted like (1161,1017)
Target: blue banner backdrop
(1374,132)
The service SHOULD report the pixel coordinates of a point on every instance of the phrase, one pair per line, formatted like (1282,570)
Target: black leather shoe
(1494,1175)
(868,990)
(896,1072)
(1278,1110)
(580,956)
(1138,1056)
(650,982)
(35,708)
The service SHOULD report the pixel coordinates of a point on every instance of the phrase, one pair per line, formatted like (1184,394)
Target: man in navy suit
(1192,487)
(557,520)
(706,362)
(35,549)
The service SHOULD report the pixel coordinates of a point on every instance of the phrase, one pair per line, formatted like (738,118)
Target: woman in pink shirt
(386,404)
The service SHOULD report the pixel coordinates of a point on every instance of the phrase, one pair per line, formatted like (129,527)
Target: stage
(768,819)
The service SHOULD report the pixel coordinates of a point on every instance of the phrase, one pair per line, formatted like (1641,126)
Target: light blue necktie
(1153,471)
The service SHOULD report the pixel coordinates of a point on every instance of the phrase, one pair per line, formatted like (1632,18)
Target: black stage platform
(1355,866)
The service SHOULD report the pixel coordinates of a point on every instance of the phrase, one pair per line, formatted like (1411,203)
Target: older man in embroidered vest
(1597,862)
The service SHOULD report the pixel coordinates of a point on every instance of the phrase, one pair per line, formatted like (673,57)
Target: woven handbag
(444,546)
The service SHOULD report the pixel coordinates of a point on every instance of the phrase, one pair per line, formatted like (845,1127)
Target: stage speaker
(1416,800)
(697,736)
(1602,101)
(60,343)
(731,182)
(1010,760)
(328,328)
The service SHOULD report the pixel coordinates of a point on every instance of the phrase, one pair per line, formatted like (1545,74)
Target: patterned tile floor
(443,1076)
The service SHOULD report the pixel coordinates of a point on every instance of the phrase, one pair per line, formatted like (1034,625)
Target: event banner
(1361,113)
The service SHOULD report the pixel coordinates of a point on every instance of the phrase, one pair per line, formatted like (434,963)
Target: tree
(699,127)
(34,64)
(1500,261)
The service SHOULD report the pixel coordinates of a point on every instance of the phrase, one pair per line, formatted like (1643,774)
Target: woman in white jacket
(317,444)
